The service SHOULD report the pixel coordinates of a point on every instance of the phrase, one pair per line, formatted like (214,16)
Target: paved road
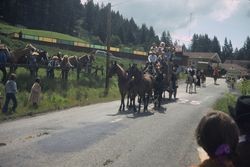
(96,136)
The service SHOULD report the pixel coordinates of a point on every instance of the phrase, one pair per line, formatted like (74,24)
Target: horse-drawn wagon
(148,83)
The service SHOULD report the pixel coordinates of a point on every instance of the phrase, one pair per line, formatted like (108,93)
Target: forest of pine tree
(74,18)
(202,43)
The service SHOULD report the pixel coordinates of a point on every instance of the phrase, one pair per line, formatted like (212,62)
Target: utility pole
(190,21)
(108,47)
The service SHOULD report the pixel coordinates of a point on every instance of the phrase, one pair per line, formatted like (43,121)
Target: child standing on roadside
(10,93)
(35,93)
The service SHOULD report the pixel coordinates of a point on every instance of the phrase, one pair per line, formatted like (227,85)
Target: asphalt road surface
(97,136)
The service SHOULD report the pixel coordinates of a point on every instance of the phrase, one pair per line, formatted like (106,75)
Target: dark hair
(216,129)
(12,76)
(37,80)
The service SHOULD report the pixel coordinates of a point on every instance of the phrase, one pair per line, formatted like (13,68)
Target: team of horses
(34,58)
(135,82)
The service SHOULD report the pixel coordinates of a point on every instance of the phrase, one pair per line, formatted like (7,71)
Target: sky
(183,18)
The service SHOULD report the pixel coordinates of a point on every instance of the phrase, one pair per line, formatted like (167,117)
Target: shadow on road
(141,114)
(160,109)
(126,112)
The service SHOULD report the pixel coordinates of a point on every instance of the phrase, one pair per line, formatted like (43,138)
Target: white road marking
(116,120)
(183,101)
(195,102)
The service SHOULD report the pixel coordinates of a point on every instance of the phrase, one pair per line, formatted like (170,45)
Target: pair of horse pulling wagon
(141,83)
(32,58)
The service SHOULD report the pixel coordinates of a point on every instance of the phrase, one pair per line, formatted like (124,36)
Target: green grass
(223,103)
(6,28)
(57,95)
(244,87)
(230,99)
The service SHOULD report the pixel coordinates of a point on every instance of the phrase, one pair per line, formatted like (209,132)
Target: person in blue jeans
(10,93)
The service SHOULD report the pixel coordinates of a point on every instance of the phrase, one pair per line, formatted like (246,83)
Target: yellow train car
(46,39)
(80,44)
(114,49)
(140,53)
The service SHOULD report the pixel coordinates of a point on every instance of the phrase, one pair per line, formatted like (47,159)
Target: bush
(223,103)
(244,87)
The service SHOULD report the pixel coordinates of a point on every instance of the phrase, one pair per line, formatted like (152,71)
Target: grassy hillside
(6,28)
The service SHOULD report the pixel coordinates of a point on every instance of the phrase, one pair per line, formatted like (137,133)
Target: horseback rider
(161,50)
(154,48)
(150,65)
(203,78)
(192,71)
(198,74)
(174,78)
(215,74)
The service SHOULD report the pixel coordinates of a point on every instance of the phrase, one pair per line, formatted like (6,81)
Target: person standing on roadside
(10,93)
(35,93)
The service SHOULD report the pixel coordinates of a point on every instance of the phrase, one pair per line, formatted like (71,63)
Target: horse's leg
(78,72)
(3,69)
(145,103)
(132,100)
(175,92)
(127,100)
(159,98)
(155,98)
(120,108)
(139,101)
(170,93)
(133,103)
(66,75)
(190,88)
(123,101)
(187,87)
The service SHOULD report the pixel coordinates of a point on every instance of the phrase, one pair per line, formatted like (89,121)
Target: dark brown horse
(122,81)
(19,56)
(166,67)
(65,67)
(82,62)
(142,85)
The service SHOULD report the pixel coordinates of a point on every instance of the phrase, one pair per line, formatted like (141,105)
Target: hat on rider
(162,44)
(35,53)
(54,57)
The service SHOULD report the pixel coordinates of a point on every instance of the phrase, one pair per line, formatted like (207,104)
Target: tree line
(202,43)
(82,20)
